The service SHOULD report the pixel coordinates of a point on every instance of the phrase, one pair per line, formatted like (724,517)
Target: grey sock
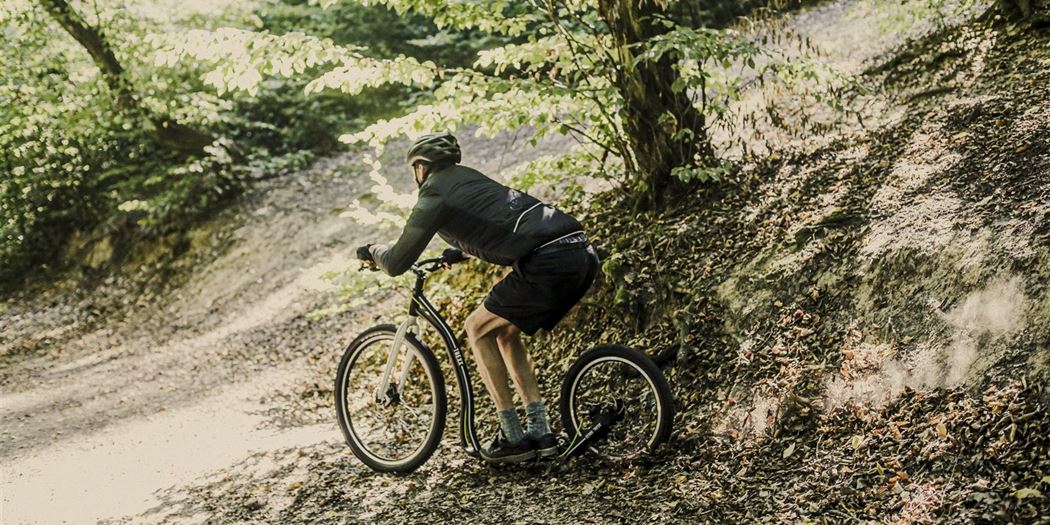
(537,419)
(508,421)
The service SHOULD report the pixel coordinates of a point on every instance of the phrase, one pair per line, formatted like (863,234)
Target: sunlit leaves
(243,58)
(529,56)
(491,105)
(356,75)
(491,16)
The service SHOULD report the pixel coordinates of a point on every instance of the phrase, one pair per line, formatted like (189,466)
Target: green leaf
(1026,493)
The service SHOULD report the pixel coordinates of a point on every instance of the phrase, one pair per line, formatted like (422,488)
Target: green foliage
(703,173)
(73,162)
(491,16)
(560,78)
(378,31)
(45,167)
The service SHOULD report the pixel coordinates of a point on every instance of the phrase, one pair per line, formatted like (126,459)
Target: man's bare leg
(519,364)
(482,326)
(523,373)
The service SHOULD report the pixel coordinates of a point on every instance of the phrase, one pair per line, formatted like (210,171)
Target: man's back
(493,222)
(478,215)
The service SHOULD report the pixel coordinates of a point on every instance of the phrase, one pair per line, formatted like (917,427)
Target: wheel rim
(605,380)
(390,433)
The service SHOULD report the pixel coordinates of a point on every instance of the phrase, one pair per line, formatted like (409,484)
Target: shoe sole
(547,452)
(514,458)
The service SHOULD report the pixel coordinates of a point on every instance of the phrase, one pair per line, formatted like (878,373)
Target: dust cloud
(996,311)
(984,316)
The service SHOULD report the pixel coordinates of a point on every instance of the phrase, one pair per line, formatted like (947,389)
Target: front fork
(386,391)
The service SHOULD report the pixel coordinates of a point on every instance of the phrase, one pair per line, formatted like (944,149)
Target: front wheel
(392,425)
(616,376)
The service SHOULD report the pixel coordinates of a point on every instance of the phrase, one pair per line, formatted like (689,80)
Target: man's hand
(451,256)
(364,254)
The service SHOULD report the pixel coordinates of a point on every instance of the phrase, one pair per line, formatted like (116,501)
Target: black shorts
(544,286)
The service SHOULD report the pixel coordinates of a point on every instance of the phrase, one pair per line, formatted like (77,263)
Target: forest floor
(857,334)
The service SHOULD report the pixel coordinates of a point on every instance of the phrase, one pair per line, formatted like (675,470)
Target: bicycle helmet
(435,148)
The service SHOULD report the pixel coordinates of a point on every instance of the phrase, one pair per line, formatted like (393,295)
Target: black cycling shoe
(503,451)
(545,445)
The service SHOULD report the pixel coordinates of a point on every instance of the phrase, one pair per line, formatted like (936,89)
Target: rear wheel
(391,427)
(611,377)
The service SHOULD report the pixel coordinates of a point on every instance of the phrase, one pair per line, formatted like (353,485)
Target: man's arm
(428,215)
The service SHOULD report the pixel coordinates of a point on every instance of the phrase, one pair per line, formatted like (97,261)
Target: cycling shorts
(543,286)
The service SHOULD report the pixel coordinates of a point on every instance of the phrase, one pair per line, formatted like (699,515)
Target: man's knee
(470,324)
(507,335)
(475,324)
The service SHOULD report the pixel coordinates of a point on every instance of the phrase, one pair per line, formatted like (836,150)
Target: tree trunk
(165,131)
(663,127)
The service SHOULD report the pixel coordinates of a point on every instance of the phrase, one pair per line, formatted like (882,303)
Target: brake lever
(368,265)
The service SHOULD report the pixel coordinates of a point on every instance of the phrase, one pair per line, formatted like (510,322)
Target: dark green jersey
(478,215)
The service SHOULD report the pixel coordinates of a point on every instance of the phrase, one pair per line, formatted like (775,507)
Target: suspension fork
(410,325)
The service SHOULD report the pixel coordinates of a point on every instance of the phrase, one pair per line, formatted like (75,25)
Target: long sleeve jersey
(478,215)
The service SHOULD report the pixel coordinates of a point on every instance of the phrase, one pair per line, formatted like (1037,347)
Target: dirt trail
(144,402)
(94,421)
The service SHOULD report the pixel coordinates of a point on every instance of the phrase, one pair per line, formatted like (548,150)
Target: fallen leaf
(1028,493)
(857,441)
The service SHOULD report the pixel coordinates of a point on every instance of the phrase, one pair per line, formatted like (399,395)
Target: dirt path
(99,420)
(95,420)
(131,459)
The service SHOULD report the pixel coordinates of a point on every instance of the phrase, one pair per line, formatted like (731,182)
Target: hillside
(855,331)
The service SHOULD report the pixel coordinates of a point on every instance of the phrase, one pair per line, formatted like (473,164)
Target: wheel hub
(390,397)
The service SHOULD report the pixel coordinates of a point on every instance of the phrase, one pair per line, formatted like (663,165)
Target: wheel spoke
(395,426)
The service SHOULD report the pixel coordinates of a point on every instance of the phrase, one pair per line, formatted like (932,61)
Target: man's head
(432,152)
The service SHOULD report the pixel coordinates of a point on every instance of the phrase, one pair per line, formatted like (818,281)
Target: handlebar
(449,257)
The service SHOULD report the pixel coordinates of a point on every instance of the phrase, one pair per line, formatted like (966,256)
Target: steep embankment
(855,333)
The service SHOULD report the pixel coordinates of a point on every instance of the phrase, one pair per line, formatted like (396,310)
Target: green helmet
(435,148)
